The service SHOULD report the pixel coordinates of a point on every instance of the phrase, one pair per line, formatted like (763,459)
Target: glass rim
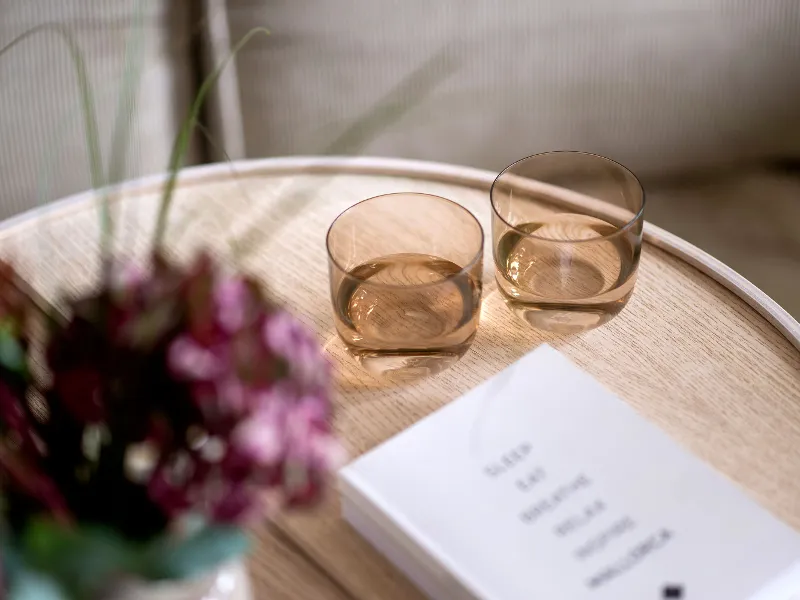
(465,269)
(620,230)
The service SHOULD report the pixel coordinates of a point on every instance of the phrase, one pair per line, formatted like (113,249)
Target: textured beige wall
(42,146)
(660,85)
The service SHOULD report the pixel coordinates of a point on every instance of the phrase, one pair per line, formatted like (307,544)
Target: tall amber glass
(567,234)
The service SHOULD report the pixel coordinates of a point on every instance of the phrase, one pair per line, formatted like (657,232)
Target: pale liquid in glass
(408,315)
(561,285)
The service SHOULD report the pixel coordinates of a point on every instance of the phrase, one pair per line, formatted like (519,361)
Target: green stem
(185,134)
(90,119)
(126,103)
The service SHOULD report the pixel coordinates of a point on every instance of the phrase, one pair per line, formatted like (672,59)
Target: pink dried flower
(309,439)
(190,360)
(234,397)
(232,298)
(259,439)
(235,503)
(172,497)
(260,381)
(127,276)
(288,338)
(227,394)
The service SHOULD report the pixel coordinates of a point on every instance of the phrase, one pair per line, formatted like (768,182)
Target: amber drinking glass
(567,234)
(405,277)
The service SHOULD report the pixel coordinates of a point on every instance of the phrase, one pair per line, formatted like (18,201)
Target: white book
(542,485)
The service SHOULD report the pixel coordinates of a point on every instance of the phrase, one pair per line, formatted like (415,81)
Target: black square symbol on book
(672,591)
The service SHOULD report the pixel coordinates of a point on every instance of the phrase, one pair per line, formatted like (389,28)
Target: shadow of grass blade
(194,213)
(405,95)
(409,92)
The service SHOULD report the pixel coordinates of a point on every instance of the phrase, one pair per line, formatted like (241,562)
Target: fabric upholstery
(43,149)
(749,218)
(660,85)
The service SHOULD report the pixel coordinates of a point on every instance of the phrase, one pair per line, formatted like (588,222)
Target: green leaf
(193,555)
(10,562)
(81,559)
(12,356)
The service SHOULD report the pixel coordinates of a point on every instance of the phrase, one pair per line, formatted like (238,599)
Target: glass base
(563,318)
(406,366)
(229,582)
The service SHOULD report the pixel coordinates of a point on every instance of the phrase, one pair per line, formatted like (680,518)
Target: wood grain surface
(698,350)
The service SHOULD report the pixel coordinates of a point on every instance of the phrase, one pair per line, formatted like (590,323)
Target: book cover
(541,484)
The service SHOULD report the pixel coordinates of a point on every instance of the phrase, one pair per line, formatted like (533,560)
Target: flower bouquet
(146,422)
(178,405)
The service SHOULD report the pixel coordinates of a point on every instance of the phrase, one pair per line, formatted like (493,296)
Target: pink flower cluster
(213,400)
(261,384)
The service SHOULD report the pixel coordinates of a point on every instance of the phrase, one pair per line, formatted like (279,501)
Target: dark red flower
(33,483)
(173,391)
(80,390)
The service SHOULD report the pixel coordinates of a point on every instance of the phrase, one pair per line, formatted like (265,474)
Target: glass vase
(229,582)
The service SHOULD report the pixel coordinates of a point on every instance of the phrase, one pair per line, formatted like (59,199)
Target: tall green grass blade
(88,110)
(126,106)
(194,213)
(185,135)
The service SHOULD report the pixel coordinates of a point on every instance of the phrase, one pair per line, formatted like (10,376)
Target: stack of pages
(542,485)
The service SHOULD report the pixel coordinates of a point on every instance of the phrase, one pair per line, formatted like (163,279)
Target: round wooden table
(699,350)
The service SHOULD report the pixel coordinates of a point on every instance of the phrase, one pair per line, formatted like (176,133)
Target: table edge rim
(470,177)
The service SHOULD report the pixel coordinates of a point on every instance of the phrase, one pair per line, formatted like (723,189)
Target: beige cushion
(657,84)
(42,147)
(747,218)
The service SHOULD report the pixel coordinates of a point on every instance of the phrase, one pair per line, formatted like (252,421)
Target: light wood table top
(699,350)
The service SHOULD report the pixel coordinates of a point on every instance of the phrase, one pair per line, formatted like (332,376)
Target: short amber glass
(406,280)
(567,234)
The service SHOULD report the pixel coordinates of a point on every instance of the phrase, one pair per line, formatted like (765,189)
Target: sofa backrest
(43,152)
(660,85)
